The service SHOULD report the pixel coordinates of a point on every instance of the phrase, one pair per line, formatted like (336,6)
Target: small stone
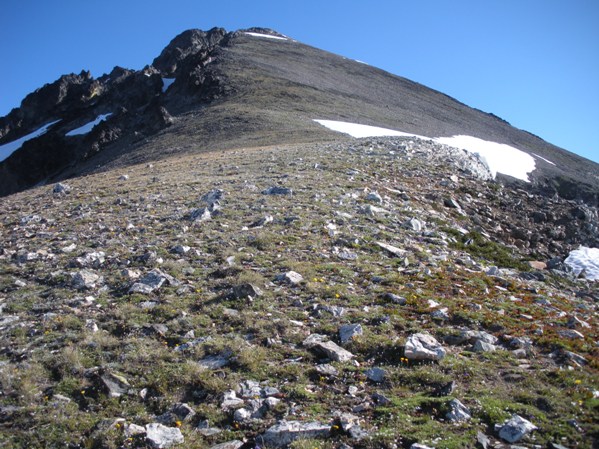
(375,374)
(234,444)
(123,177)
(571,333)
(348,332)
(458,412)
(423,347)
(515,429)
(246,290)
(276,190)
(328,348)
(61,189)
(414,224)
(290,277)
(85,279)
(217,361)
(375,197)
(482,440)
(398,252)
(132,430)
(200,214)
(537,265)
(284,432)
(419,446)
(396,299)
(262,221)
(180,249)
(325,369)
(483,346)
(160,436)
(115,384)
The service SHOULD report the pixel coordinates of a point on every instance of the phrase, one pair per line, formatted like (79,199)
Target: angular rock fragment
(328,348)
(284,432)
(458,412)
(290,277)
(483,346)
(423,347)
(160,436)
(152,281)
(276,190)
(375,374)
(246,290)
(115,384)
(234,444)
(348,332)
(85,279)
(515,429)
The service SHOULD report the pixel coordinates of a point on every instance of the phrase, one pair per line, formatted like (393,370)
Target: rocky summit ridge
(220,271)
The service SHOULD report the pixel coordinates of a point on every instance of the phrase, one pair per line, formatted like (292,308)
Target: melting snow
(9,148)
(587,259)
(499,157)
(541,157)
(88,126)
(166,83)
(270,36)
(355,130)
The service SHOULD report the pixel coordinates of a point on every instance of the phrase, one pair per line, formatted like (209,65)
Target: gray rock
(290,277)
(180,249)
(215,361)
(93,260)
(423,347)
(375,197)
(200,214)
(276,190)
(230,400)
(348,331)
(396,299)
(234,444)
(284,432)
(325,369)
(132,430)
(85,279)
(61,189)
(419,446)
(483,346)
(398,252)
(328,348)
(262,221)
(246,290)
(440,314)
(414,224)
(213,196)
(152,281)
(115,384)
(515,429)
(482,440)
(375,374)
(458,412)
(160,436)
(571,333)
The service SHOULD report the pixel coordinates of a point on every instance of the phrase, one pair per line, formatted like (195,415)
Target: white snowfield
(9,148)
(499,157)
(586,259)
(270,36)
(166,83)
(88,126)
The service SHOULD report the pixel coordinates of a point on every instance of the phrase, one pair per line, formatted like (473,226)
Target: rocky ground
(380,293)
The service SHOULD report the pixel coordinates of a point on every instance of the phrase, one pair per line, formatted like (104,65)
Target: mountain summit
(223,90)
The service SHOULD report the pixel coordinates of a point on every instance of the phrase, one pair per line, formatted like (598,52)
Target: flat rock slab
(423,347)
(515,429)
(284,432)
(160,436)
(328,348)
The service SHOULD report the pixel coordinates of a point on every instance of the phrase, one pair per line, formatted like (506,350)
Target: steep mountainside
(218,90)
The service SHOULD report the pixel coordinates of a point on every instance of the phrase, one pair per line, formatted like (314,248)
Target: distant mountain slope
(216,90)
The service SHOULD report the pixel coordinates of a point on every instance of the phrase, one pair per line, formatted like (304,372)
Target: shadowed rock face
(227,90)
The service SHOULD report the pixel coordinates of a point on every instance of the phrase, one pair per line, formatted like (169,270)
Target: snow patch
(499,157)
(356,130)
(270,36)
(541,157)
(88,126)
(166,83)
(9,148)
(586,259)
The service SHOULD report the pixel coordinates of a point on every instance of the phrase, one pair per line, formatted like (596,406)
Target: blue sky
(535,63)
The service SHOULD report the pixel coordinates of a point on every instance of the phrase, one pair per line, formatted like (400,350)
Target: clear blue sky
(534,63)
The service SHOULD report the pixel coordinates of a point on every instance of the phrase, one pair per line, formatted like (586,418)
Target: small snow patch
(356,130)
(585,259)
(9,148)
(88,126)
(541,157)
(166,83)
(499,157)
(270,36)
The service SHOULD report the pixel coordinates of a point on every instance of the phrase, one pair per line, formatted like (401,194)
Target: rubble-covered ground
(380,293)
